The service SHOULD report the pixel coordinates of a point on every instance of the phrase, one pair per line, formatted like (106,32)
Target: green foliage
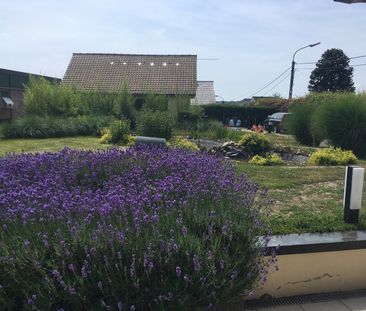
(216,129)
(154,124)
(182,143)
(269,160)
(301,122)
(154,102)
(332,156)
(37,127)
(254,143)
(44,98)
(119,130)
(124,104)
(178,106)
(343,121)
(99,103)
(106,136)
(332,73)
(248,115)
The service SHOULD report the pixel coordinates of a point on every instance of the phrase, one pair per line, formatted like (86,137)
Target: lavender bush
(146,228)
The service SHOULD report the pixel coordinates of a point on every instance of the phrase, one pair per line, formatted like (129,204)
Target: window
(8,101)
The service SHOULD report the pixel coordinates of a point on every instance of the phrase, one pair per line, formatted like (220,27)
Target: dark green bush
(254,143)
(37,127)
(155,124)
(343,120)
(124,104)
(119,130)
(299,123)
(155,102)
(248,115)
(302,121)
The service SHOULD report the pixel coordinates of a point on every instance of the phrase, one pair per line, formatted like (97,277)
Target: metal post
(352,199)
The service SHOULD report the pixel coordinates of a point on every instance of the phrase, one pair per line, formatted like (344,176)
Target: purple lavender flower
(196,263)
(184,231)
(100,285)
(113,205)
(178,271)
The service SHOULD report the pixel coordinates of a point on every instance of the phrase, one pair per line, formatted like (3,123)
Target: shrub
(212,129)
(332,156)
(301,122)
(106,136)
(119,130)
(124,104)
(44,98)
(146,229)
(298,123)
(37,127)
(154,124)
(343,121)
(270,160)
(155,102)
(255,143)
(180,142)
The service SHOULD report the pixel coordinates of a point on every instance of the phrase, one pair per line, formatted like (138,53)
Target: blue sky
(252,40)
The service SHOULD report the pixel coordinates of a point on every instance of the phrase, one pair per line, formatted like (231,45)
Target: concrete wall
(311,273)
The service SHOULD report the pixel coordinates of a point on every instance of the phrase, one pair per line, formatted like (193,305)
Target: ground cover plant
(332,156)
(137,229)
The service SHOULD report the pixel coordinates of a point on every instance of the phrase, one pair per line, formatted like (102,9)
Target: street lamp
(293,67)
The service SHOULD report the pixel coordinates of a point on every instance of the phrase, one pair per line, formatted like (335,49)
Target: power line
(277,84)
(329,67)
(309,63)
(268,84)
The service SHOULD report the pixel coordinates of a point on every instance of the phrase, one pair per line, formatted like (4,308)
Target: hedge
(248,115)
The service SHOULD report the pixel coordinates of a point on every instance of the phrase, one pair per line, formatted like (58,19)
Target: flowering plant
(143,228)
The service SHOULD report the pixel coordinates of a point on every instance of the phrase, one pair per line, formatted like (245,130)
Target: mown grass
(305,198)
(48,144)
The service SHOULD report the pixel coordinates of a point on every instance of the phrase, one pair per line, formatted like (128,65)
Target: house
(205,93)
(169,75)
(12,84)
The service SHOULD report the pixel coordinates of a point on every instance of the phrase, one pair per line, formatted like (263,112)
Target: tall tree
(332,73)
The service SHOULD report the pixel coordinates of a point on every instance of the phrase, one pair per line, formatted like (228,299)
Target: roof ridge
(123,54)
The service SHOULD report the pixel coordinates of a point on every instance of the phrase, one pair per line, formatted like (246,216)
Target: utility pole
(293,67)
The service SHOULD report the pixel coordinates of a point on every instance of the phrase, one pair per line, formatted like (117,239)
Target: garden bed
(137,229)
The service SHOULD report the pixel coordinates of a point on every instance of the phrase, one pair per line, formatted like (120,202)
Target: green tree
(332,73)
(155,102)
(124,104)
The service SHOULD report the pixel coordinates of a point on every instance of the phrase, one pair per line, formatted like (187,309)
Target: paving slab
(333,305)
(355,304)
(282,308)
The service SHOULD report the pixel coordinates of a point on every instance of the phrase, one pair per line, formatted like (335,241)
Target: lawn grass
(305,198)
(48,144)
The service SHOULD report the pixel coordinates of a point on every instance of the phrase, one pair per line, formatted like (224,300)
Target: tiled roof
(160,74)
(205,93)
